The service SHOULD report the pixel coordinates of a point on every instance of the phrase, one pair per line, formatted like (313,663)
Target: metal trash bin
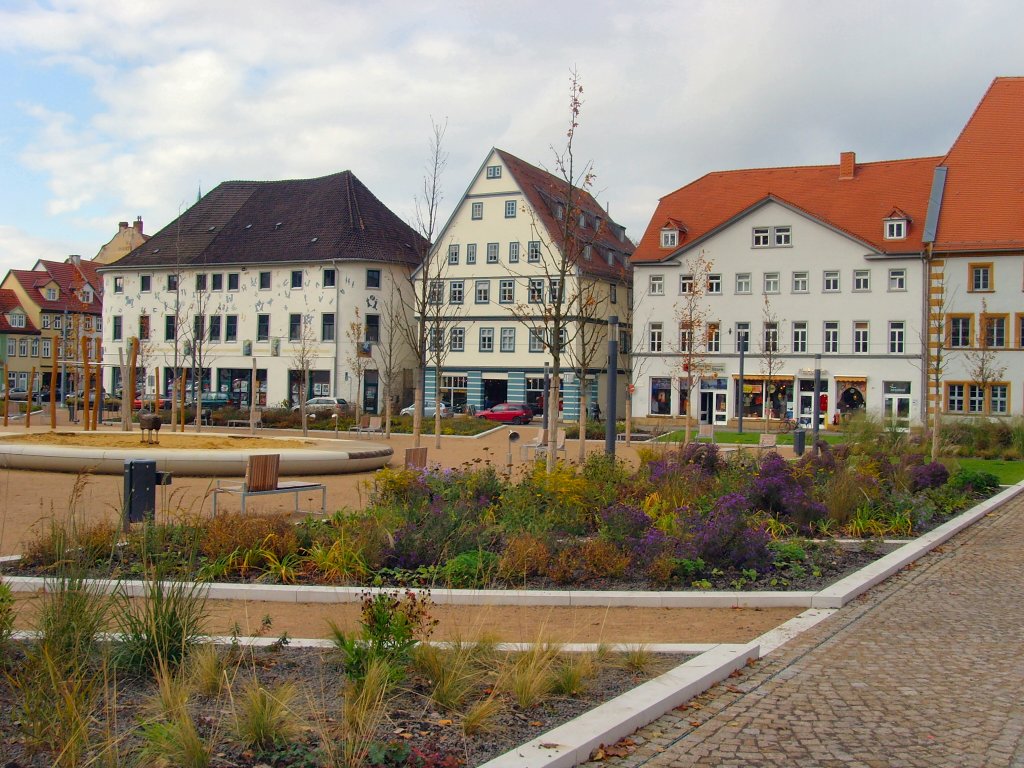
(140,481)
(799,441)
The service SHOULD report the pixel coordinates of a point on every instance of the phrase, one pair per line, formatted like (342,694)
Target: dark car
(211,400)
(510,413)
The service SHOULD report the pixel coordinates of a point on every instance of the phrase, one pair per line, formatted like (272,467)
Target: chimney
(75,259)
(138,224)
(122,225)
(847,164)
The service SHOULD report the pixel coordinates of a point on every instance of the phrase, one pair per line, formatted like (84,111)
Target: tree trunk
(417,408)
(629,413)
(552,418)
(582,455)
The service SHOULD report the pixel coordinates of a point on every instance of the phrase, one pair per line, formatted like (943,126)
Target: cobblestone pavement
(927,669)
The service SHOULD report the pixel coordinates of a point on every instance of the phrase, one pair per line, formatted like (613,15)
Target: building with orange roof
(19,338)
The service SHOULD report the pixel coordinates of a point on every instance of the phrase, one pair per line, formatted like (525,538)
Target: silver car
(428,410)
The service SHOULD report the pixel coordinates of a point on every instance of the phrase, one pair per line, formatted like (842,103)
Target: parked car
(211,400)
(76,397)
(428,410)
(331,404)
(19,394)
(146,401)
(509,413)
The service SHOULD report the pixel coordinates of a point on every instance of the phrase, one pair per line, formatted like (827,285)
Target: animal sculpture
(149,422)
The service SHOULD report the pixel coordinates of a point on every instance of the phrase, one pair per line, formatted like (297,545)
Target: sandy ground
(30,500)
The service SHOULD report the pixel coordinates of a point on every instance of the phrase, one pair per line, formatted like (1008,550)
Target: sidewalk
(924,670)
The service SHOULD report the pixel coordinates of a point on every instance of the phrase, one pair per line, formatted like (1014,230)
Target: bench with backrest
(767,440)
(257,422)
(262,479)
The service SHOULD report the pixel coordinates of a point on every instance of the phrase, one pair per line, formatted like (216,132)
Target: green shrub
(161,627)
(471,570)
(974,482)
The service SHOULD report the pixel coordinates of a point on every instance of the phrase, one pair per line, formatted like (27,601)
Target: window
(477,211)
(831,346)
(217,281)
(771,282)
(897,337)
(231,327)
(262,327)
(87,322)
(506,291)
(47,348)
(898,279)
(456,292)
(51,294)
(373,328)
(294,327)
(657,285)
(998,398)
(555,291)
(536,290)
(714,337)
(508,340)
(510,209)
(435,339)
(771,337)
(980,278)
(800,336)
(860,338)
(685,338)
(330,278)
(144,327)
(975,399)
(57,322)
(536,340)
(714,284)
(669,238)
(762,237)
(830,283)
(533,251)
(457,339)
(435,295)
(655,333)
(492,253)
(955,397)
(116,331)
(471,253)
(493,171)
(861,280)
(170,327)
(327,326)
(373,278)
(895,229)
(17,320)
(12,347)
(685,284)
(23,347)
(145,283)
(264,281)
(783,237)
(801,282)
(296,279)
(613,293)
(453,253)
(995,331)
(513,252)
(583,220)
(960,331)
(46,322)
(486,339)
(199,327)
(215,327)
(172,282)
(743,282)
(742,336)
(483,291)
(118,285)
(35,347)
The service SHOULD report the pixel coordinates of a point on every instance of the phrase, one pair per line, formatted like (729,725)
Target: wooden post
(53,385)
(181,402)
(156,389)
(86,381)
(28,400)
(7,394)
(98,389)
(252,400)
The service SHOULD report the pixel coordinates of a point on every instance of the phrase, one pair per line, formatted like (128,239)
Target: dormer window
(669,238)
(87,295)
(51,294)
(17,320)
(895,229)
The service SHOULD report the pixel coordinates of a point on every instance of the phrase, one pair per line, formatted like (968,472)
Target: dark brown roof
(546,192)
(252,222)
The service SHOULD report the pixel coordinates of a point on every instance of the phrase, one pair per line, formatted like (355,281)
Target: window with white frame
(471,253)
(955,397)
(457,339)
(657,285)
(801,282)
(23,347)
(861,343)
(533,251)
(685,284)
(783,237)
(119,284)
(16,319)
(685,338)
(743,336)
(51,294)
(493,171)
(508,340)
(831,338)
(830,281)
(669,238)
(506,291)
(655,334)
(453,253)
(895,229)
(770,340)
(513,252)
(897,279)
(536,340)
(998,399)
(330,279)
(435,338)
(46,322)
(771,282)
(714,284)
(960,335)
(483,292)
(897,337)
(486,339)
(800,336)
(436,293)
(510,209)
(47,348)
(975,398)
(477,211)
(35,347)
(12,347)
(981,277)
(742,282)
(714,337)
(555,291)
(536,290)
(492,253)
(456,292)
(217,281)
(995,331)
(761,237)
(862,280)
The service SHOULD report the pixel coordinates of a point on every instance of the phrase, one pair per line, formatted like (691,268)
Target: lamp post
(816,404)
(741,339)
(613,381)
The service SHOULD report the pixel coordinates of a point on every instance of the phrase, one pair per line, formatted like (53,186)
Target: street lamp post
(741,339)
(816,404)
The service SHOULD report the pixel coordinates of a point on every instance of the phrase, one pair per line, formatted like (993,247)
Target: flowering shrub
(725,536)
(779,490)
(932,475)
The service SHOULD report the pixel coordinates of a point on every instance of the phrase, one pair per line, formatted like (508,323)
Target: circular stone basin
(205,455)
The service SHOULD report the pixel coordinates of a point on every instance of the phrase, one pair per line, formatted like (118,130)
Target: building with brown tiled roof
(126,240)
(19,338)
(499,253)
(249,271)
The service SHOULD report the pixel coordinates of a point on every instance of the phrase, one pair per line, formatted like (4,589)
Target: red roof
(856,206)
(983,200)
(9,301)
(68,279)
(546,192)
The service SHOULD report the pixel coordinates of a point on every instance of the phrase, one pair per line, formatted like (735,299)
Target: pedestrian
(595,411)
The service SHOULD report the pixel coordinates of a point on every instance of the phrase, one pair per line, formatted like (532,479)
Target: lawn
(750,438)
(1008,472)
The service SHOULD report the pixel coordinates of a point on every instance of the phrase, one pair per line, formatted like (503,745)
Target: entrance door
(706,406)
(370,388)
(896,409)
(721,410)
(805,418)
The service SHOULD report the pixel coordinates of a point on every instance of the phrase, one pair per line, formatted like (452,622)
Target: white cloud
(20,250)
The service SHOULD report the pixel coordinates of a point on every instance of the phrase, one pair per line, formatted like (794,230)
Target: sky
(113,109)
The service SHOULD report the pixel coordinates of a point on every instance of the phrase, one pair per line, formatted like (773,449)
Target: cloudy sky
(117,108)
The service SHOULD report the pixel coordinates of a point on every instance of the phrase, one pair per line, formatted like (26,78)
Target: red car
(163,402)
(510,413)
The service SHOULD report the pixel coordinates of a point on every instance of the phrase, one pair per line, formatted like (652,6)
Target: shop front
(851,396)
(805,403)
(765,398)
(237,383)
(896,404)
(661,396)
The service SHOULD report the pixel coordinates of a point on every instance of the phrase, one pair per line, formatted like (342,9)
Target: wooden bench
(706,432)
(416,458)
(261,479)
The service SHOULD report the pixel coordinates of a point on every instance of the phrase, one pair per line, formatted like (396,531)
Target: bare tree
(632,364)
(771,353)
(388,354)
(590,309)
(439,320)
(692,316)
(935,358)
(304,354)
(358,358)
(983,358)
